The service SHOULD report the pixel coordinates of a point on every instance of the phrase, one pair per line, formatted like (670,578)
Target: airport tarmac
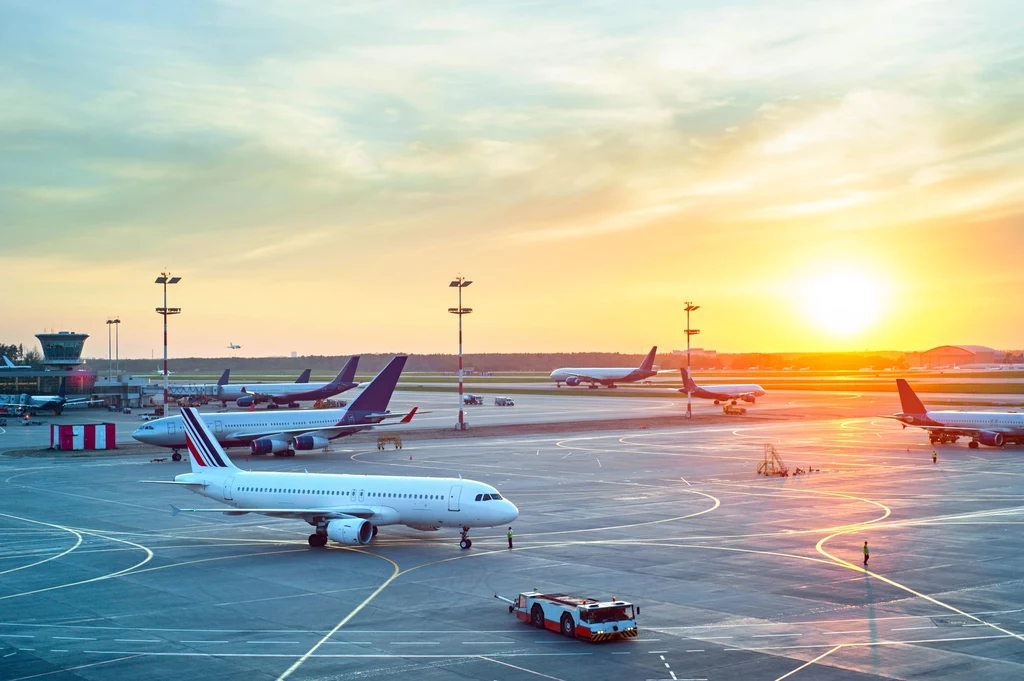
(737,576)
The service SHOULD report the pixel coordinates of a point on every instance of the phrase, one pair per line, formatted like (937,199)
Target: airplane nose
(512,511)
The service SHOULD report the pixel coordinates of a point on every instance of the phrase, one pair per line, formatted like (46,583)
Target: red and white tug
(576,616)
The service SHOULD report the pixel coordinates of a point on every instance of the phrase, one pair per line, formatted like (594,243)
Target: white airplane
(30,404)
(285,432)
(232,346)
(989,428)
(343,508)
(596,376)
(748,392)
(289,394)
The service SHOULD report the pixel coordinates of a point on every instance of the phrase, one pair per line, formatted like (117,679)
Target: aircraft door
(360,495)
(453,497)
(218,427)
(170,429)
(228,484)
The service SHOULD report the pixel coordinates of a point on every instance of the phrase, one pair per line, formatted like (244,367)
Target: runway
(737,576)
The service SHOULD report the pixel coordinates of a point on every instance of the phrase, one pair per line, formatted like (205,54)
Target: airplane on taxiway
(284,432)
(989,428)
(346,509)
(596,376)
(286,394)
(748,392)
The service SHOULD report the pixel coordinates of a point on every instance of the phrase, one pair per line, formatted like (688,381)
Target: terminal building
(959,355)
(62,358)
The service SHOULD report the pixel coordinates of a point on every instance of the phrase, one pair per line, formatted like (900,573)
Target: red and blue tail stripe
(206,452)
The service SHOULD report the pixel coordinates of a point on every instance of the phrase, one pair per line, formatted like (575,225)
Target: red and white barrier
(88,436)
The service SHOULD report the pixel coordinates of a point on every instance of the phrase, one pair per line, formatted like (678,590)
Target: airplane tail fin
(688,382)
(648,363)
(304,376)
(377,394)
(62,390)
(347,373)
(909,400)
(223,380)
(204,450)
(408,417)
(8,363)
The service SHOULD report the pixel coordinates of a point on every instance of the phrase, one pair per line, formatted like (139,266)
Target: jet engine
(572,380)
(990,439)
(245,401)
(305,443)
(350,531)
(748,398)
(266,445)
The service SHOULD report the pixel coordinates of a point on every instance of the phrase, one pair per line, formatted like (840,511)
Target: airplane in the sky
(748,392)
(232,346)
(8,364)
(606,376)
(285,432)
(989,428)
(31,404)
(278,394)
(346,509)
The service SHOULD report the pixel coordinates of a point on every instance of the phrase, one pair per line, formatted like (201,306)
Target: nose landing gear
(466,541)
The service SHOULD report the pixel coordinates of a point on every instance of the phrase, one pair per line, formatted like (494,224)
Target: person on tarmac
(866,556)
(509,535)
(935,457)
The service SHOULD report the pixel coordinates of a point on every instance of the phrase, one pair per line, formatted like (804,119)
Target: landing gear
(317,540)
(973,444)
(717,402)
(272,405)
(733,403)
(176,455)
(466,541)
(293,405)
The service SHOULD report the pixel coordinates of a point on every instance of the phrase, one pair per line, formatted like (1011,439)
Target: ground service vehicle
(472,399)
(504,402)
(576,616)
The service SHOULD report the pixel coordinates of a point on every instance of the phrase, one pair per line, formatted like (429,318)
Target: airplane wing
(584,377)
(331,431)
(297,513)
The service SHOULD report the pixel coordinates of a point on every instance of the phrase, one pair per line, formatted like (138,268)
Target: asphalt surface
(738,576)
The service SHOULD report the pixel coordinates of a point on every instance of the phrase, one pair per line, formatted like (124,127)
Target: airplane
(989,428)
(160,372)
(35,403)
(748,392)
(285,433)
(346,509)
(606,376)
(232,346)
(277,394)
(8,364)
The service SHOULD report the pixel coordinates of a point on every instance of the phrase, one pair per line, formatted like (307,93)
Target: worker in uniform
(509,535)
(935,457)
(866,556)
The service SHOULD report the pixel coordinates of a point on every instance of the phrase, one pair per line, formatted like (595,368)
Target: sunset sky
(816,175)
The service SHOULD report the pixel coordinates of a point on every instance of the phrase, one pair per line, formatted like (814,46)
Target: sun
(844,302)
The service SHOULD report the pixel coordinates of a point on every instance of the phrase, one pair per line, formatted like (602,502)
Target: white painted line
(17,635)
(57,650)
(350,643)
(713,638)
(666,664)
(696,651)
(73,638)
(656,652)
(415,643)
(284,642)
(486,643)
(32,649)
(16,652)
(773,635)
(662,657)
(598,462)
(137,640)
(686,481)
(612,653)
(204,641)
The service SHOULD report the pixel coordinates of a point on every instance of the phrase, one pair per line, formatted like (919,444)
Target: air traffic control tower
(62,350)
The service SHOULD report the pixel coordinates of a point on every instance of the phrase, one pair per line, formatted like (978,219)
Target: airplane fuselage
(423,503)
(988,427)
(726,392)
(604,376)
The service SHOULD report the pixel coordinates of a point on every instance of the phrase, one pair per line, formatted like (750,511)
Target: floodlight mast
(165,278)
(460,283)
(690,307)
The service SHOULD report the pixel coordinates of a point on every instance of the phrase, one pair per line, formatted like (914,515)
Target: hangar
(959,355)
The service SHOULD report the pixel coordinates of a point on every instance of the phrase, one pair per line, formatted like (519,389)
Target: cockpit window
(479,496)
(495,495)
(487,497)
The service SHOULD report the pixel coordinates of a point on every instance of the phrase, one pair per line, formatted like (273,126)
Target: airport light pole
(460,283)
(117,325)
(690,307)
(165,278)
(110,362)
(117,343)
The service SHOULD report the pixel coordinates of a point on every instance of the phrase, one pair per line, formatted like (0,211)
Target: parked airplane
(343,508)
(748,392)
(232,346)
(286,432)
(8,364)
(989,428)
(277,394)
(606,376)
(31,404)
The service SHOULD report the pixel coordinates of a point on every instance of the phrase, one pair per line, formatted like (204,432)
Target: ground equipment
(772,463)
(384,440)
(575,616)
